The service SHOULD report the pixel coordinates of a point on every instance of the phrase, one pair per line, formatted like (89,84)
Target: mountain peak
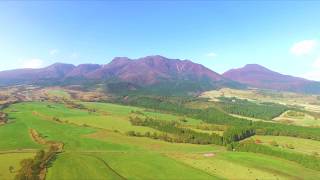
(154,59)
(153,69)
(254,66)
(82,69)
(58,65)
(248,69)
(260,77)
(119,61)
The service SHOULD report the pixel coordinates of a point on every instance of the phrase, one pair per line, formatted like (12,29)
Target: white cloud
(316,63)
(32,63)
(314,74)
(211,54)
(303,47)
(53,52)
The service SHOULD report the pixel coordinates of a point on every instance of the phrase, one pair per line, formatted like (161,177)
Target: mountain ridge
(149,72)
(152,72)
(261,77)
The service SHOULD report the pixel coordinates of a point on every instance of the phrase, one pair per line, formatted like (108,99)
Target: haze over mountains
(157,74)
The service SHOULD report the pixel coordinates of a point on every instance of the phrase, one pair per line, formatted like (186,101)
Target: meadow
(298,118)
(11,160)
(305,146)
(96,147)
(284,107)
(305,101)
(58,93)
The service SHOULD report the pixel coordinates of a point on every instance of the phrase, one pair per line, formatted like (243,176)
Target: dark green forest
(215,116)
(266,111)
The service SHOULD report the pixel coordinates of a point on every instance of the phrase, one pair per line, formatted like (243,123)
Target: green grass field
(298,118)
(153,166)
(84,166)
(11,159)
(264,96)
(239,165)
(306,146)
(308,102)
(124,111)
(97,151)
(58,93)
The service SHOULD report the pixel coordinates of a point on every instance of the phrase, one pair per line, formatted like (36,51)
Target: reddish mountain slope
(260,77)
(82,70)
(55,71)
(152,69)
(144,71)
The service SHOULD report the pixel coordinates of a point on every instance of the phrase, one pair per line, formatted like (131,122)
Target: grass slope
(152,166)
(83,167)
(298,118)
(76,140)
(15,136)
(239,165)
(306,146)
(11,159)
(58,93)
(101,153)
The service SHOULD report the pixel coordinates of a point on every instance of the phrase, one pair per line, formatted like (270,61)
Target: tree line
(213,115)
(172,132)
(185,135)
(35,169)
(235,134)
(266,111)
(231,137)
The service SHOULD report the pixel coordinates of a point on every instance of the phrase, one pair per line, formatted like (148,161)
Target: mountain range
(157,74)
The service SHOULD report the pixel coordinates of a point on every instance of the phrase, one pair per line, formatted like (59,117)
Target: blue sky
(283,36)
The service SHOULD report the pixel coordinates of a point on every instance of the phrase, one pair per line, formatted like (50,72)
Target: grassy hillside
(96,147)
(281,107)
(307,102)
(298,118)
(239,165)
(11,159)
(306,146)
(84,166)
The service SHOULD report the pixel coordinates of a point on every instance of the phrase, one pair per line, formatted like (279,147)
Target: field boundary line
(107,165)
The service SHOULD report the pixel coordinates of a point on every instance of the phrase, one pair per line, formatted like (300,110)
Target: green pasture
(59,93)
(80,166)
(8,160)
(306,146)
(94,150)
(242,165)
(298,118)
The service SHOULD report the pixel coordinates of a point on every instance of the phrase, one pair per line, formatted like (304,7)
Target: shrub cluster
(31,168)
